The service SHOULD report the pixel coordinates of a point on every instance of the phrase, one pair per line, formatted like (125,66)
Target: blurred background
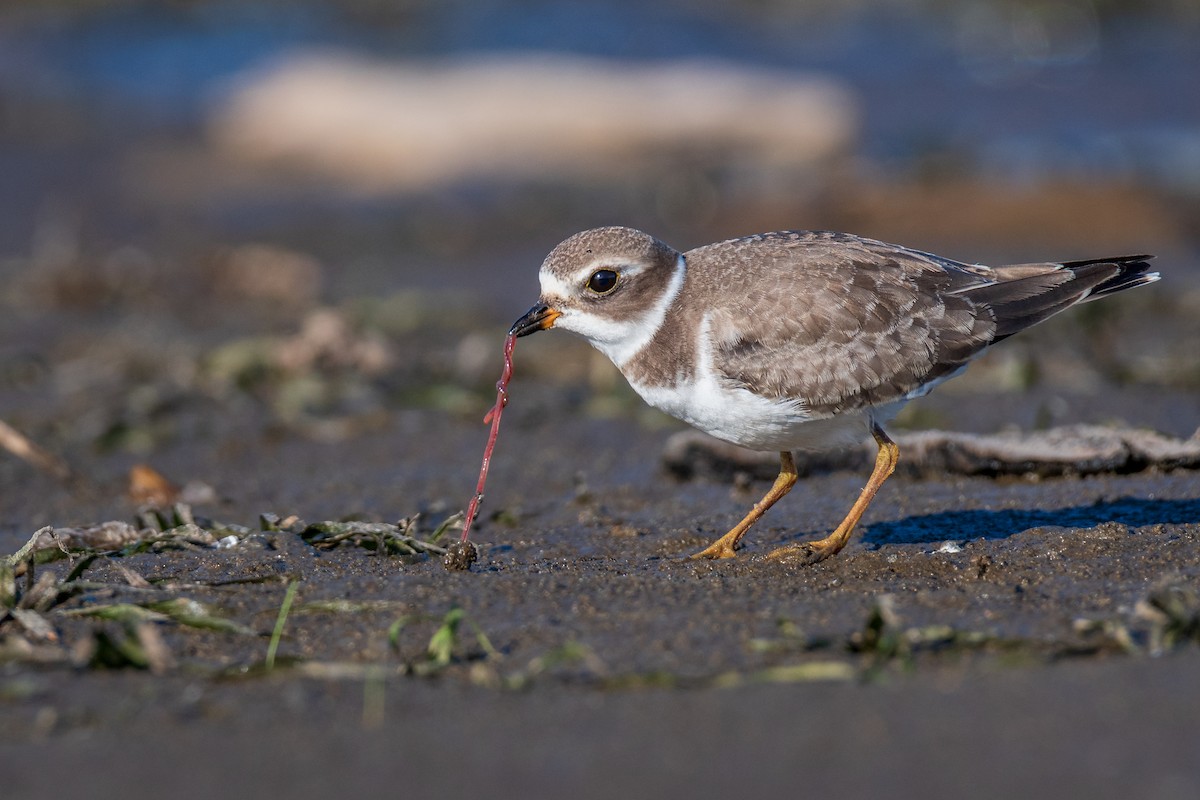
(226,225)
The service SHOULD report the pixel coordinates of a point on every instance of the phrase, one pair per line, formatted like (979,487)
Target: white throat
(618,340)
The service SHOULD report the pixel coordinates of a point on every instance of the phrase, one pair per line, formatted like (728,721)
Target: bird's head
(610,285)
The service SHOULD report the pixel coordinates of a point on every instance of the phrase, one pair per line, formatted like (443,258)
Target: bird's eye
(602,281)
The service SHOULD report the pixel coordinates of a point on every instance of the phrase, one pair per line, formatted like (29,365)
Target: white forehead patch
(554,286)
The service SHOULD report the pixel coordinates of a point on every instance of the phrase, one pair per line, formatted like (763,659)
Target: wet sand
(306,351)
(617,665)
(990,636)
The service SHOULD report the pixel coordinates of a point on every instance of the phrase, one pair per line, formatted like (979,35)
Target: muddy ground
(294,352)
(981,635)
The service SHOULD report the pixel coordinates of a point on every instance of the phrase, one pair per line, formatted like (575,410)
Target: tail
(1131,271)
(1022,295)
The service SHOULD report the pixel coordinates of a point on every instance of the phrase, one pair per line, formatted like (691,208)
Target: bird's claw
(801,554)
(714,551)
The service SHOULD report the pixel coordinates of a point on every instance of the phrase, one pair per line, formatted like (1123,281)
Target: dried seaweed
(1068,450)
(381,537)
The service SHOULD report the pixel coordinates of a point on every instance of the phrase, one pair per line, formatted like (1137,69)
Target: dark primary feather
(1026,294)
(840,322)
(1132,271)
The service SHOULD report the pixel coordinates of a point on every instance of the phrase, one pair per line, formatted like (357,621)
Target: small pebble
(460,556)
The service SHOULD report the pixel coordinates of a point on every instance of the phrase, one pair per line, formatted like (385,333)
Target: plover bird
(797,340)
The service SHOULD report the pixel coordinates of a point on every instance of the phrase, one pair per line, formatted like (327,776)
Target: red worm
(493,416)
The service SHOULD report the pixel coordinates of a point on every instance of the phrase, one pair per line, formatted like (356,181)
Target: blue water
(1083,94)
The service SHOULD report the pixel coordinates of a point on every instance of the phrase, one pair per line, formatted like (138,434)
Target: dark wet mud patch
(603,622)
(582,589)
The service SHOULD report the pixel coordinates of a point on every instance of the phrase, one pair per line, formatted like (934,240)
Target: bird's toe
(801,554)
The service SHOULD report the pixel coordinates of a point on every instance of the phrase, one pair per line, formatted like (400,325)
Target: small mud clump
(460,556)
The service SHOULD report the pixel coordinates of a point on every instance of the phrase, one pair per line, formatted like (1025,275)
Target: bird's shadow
(984,524)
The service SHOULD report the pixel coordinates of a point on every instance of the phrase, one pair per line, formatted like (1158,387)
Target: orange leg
(725,546)
(812,552)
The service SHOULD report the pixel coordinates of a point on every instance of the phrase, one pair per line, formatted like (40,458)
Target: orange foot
(718,549)
(804,553)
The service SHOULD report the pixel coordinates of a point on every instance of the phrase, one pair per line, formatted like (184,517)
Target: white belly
(743,418)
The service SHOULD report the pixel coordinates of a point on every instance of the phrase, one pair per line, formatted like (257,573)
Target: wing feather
(838,322)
